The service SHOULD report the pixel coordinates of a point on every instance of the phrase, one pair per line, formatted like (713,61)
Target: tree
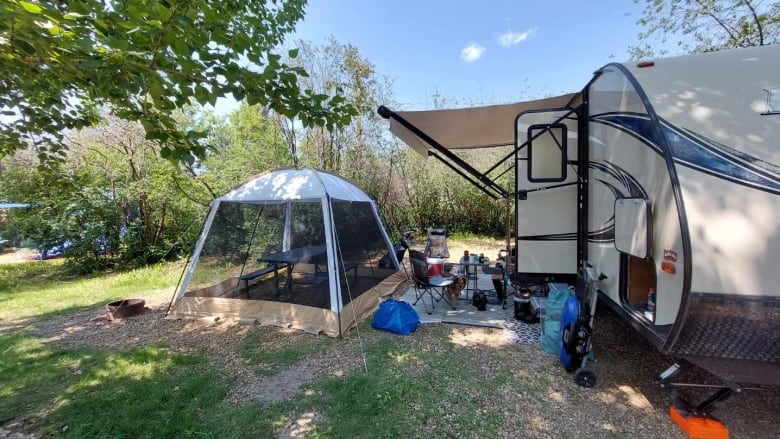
(360,150)
(143,59)
(707,25)
(247,145)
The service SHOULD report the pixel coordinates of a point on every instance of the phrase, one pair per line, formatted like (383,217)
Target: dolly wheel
(585,378)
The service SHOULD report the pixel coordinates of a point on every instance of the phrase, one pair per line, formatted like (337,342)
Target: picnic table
(291,257)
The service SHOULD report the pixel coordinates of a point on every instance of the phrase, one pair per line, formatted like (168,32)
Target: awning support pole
(489,184)
(459,172)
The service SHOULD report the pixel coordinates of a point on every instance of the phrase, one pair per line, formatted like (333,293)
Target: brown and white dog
(453,291)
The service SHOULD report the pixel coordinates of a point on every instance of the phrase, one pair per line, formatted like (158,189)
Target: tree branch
(721,23)
(757,20)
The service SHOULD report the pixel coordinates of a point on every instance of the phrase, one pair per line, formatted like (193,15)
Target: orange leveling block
(699,427)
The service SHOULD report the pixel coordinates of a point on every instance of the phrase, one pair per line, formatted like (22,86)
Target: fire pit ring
(125,308)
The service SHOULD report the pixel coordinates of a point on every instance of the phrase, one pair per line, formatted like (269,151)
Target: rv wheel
(585,378)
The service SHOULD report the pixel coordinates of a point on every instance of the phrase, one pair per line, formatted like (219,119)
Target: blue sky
(485,51)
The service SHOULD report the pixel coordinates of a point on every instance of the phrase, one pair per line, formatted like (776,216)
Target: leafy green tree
(116,201)
(706,25)
(143,59)
(361,150)
(248,144)
(111,200)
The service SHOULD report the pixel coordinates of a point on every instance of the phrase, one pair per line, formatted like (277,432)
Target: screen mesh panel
(362,244)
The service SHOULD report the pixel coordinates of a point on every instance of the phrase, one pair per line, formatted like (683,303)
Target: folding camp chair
(432,286)
(436,247)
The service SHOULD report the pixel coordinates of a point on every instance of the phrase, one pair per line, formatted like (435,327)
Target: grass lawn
(42,289)
(152,378)
(151,391)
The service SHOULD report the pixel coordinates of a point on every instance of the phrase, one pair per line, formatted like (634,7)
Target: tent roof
(476,127)
(295,184)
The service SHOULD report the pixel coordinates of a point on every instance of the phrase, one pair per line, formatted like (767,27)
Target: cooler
(435,266)
(538,305)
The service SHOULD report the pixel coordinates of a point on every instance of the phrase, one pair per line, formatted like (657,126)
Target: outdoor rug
(466,314)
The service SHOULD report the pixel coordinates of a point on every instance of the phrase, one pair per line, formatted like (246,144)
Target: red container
(435,266)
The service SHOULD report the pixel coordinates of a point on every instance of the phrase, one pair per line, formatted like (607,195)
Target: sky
(477,51)
(488,51)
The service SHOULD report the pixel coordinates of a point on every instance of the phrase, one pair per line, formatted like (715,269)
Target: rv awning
(465,128)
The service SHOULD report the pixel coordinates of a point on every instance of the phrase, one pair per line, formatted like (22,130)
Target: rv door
(546,182)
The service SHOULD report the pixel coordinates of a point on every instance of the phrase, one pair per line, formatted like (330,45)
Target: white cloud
(472,52)
(509,38)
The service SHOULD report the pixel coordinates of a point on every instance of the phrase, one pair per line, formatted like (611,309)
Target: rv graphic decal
(637,125)
(706,155)
(556,237)
(626,187)
(699,152)
(632,187)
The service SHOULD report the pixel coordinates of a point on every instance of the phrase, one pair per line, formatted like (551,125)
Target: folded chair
(436,247)
(432,286)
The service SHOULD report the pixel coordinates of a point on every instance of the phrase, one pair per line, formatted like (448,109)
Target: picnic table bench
(348,265)
(321,277)
(246,277)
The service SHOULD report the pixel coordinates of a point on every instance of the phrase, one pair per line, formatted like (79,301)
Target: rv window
(633,227)
(772,101)
(547,153)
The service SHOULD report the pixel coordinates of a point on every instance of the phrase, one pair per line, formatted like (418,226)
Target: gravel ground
(625,402)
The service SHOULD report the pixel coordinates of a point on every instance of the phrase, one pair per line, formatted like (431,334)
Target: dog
(454,290)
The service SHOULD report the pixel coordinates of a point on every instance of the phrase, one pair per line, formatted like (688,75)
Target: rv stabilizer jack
(696,420)
(720,397)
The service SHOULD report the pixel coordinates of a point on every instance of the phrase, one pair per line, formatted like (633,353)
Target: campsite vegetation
(89,154)
(46,290)
(705,26)
(68,64)
(150,390)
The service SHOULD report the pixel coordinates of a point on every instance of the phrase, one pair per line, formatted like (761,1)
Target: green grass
(43,289)
(410,390)
(143,392)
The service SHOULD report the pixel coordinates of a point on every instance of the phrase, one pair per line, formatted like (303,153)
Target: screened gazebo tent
(297,248)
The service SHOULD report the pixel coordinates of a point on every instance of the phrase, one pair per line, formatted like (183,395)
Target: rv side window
(772,101)
(547,153)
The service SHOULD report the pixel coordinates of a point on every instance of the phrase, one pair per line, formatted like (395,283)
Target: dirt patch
(15,256)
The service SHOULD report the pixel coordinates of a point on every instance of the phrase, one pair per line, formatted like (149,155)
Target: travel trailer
(663,177)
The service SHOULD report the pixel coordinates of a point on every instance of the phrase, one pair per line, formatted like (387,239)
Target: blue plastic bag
(556,300)
(396,316)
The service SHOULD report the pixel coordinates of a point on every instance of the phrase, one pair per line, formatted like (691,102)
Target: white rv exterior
(697,138)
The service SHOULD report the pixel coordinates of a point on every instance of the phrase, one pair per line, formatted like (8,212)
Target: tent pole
(196,254)
(249,244)
(287,227)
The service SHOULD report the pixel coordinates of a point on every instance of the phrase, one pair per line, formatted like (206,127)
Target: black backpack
(479,300)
